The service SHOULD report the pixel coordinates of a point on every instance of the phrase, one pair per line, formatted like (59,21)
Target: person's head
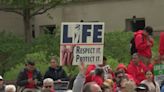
(30,65)
(81,20)
(134,19)
(121,67)
(142,88)
(149,75)
(91,87)
(99,72)
(119,74)
(129,86)
(1,80)
(148,30)
(10,88)
(53,62)
(108,85)
(48,84)
(123,81)
(135,58)
(104,62)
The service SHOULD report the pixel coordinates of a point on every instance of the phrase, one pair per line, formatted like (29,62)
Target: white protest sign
(81,42)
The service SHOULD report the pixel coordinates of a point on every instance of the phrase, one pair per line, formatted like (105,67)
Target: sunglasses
(47,86)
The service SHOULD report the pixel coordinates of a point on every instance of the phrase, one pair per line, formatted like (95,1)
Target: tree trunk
(27,25)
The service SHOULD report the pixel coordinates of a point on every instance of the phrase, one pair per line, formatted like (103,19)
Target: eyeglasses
(47,86)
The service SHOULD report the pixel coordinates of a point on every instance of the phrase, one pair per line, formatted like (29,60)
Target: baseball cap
(1,78)
(141,87)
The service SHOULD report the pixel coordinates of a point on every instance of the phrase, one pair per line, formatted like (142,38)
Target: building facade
(113,12)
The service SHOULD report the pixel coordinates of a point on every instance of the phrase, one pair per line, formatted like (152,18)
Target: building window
(33,31)
(134,24)
(47,29)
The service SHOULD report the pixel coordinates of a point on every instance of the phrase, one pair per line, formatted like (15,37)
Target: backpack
(133,46)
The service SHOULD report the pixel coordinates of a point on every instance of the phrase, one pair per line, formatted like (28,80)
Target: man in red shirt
(136,69)
(29,78)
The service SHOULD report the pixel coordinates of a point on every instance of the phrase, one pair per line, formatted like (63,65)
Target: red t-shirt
(30,76)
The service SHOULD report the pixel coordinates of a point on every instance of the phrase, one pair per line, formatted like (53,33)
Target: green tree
(28,9)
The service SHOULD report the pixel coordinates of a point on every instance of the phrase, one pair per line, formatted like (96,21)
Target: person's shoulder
(138,33)
(37,71)
(23,70)
(91,66)
(49,69)
(156,83)
(144,81)
(130,66)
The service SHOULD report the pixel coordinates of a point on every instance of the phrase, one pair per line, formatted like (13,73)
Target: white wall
(114,13)
(43,19)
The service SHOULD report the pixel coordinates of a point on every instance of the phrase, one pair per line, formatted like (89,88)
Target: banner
(81,42)
(159,73)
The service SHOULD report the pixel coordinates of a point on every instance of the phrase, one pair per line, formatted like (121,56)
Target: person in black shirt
(55,72)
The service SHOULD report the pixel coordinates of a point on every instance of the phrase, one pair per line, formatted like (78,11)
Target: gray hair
(10,88)
(48,81)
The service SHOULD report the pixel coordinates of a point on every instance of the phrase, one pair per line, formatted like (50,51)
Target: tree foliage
(15,52)
(28,9)
(35,6)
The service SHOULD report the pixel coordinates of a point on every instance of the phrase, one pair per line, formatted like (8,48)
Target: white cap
(1,78)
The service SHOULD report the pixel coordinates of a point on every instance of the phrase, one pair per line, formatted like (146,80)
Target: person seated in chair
(55,72)
(29,79)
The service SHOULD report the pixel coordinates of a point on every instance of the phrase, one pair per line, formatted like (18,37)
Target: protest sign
(159,73)
(81,42)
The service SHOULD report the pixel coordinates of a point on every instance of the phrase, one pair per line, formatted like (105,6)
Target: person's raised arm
(80,79)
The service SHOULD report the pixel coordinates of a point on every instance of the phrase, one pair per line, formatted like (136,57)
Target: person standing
(144,42)
(136,69)
(150,82)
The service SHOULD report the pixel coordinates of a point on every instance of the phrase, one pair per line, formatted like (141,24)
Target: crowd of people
(30,78)
(137,76)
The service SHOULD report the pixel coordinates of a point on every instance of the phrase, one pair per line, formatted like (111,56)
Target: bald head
(91,87)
